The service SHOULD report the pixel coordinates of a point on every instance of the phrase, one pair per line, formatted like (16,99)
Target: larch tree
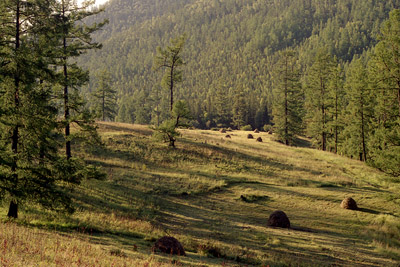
(385,82)
(288,107)
(74,39)
(317,95)
(336,103)
(105,97)
(31,167)
(358,113)
(180,116)
(171,60)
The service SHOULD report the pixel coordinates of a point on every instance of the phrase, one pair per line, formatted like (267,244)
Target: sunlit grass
(215,195)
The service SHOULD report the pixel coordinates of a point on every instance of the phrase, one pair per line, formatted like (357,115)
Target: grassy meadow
(214,194)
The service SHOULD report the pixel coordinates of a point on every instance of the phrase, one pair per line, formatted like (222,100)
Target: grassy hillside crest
(214,194)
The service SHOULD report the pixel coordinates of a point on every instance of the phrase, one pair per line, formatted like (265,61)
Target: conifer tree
(105,101)
(385,82)
(359,112)
(222,106)
(167,131)
(239,109)
(74,39)
(317,95)
(288,99)
(336,103)
(31,168)
(170,59)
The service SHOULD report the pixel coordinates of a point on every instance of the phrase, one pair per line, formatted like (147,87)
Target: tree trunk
(286,106)
(13,210)
(172,142)
(171,86)
(66,101)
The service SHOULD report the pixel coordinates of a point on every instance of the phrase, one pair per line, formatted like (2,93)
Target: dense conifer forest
(91,96)
(232,76)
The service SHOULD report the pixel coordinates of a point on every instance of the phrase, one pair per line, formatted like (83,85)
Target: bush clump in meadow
(259,139)
(250,136)
(227,136)
(349,203)
(278,219)
(267,128)
(246,128)
(169,245)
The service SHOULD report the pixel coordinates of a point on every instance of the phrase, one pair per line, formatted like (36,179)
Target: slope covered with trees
(230,43)
(233,55)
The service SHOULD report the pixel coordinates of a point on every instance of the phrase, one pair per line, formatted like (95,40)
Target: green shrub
(246,128)
(267,127)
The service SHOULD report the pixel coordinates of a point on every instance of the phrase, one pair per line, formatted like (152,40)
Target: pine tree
(336,103)
(222,106)
(385,80)
(31,167)
(239,109)
(358,113)
(317,94)
(105,101)
(74,39)
(167,131)
(170,59)
(288,99)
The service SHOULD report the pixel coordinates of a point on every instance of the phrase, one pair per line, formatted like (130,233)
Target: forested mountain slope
(231,47)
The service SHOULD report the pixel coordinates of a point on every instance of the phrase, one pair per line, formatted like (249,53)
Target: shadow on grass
(369,211)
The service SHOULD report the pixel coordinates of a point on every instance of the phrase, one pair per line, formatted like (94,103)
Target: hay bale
(349,203)
(256,131)
(250,136)
(169,245)
(278,219)
(227,136)
(259,139)
(222,130)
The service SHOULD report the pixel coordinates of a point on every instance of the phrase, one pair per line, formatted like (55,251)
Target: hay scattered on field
(169,245)
(279,219)
(349,203)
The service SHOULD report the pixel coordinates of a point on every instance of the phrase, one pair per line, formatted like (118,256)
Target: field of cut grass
(215,195)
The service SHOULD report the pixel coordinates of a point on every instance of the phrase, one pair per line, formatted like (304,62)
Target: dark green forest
(233,68)
(328,70)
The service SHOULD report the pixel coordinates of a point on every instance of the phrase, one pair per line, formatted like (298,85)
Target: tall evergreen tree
(31,168)
(170,59)
(222,106)
(239,109)
(75,38)
(317,95)
(359,112)
(105,99)
(288,98)
(336,103)
(385,74)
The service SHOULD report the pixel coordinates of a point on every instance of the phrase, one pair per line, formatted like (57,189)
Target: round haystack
(250,136)
(256,131)
(279,219)
(259,139)
(227,136)
(348,203)
(169,245)
(222,130)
